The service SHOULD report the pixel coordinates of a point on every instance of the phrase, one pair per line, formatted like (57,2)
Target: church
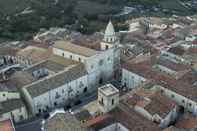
(70,73)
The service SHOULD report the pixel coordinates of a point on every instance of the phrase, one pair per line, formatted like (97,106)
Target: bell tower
(110,38)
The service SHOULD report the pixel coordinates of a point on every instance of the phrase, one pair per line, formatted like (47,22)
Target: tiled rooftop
(36,54)
(132,120)
(6,125)
(187,121)
(160,105)
(76,49)
(10,105)
(56,80)
(182,86)
(108,90)
(63,122)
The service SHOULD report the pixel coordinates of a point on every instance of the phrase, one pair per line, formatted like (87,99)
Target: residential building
(56,90)
(63,121)
(13,109)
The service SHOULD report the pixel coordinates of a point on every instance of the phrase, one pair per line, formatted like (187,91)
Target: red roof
(173,66)
(195,42)
(183,85)
(96,120)
(187,123)
(6,125)
(193,50)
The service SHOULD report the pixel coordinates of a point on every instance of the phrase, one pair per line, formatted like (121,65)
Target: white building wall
(49,100)
(101,65)
(188,104)
(41,103)
(17,115)
(131,80)
(105,45)
(69,55)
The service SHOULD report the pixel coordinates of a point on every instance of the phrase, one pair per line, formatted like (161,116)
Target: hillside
(20,19)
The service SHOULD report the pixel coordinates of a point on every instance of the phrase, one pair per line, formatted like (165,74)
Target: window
(112,102)
(71,56)
(183,101)
(101,81)
(55,103)
(92,66)
(172,96)
(162,91)
(62,90)
(85,89)
(108,58)
(63,54)
(106,47)
(3,95)
(70,89)
(190,104)
(125,84)
(101,62)
(21,117)
(57,95)
(79,59)
(102,101)
(81,84)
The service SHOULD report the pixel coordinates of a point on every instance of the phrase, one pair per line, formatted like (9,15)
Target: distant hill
(13,6)
(20,19)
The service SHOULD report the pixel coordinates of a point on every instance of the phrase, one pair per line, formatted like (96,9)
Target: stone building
(108,97)
(13,109)
(69,73)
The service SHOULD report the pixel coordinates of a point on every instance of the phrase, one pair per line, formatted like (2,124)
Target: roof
(100,122)
(172,65)
(54,63)
(7,51)
(110,29)
(21,78)
(8,87)
(10,105)
(6,125)
(76,49)
(54,81)
(156,103)
(63,122)
(182,86)
(188,121)
(108,90)
(34,53)
(160,105)
(132,120)
(83,115)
